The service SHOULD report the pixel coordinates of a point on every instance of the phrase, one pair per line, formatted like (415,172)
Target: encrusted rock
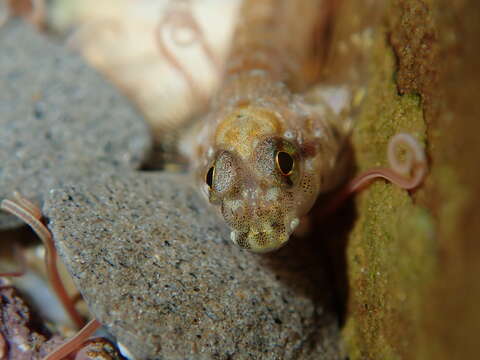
(158,269)
(21,334)
(98,349)
(57,113)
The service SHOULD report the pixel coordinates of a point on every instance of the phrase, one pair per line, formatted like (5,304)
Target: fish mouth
(263,241)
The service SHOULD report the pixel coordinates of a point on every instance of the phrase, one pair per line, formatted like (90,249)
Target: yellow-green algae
(413,260)
(390,247)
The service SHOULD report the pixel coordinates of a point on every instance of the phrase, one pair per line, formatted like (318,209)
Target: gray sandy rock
(56,112)
(157,268)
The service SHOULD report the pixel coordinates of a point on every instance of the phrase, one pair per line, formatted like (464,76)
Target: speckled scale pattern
(148,246)
(57,113)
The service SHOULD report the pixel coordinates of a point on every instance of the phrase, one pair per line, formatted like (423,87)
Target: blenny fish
(264,152)
(269,145)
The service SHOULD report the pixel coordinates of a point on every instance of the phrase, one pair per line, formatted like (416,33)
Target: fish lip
(236,235)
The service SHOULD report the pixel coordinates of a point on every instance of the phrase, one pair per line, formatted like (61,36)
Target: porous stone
(157,268)
(57,113)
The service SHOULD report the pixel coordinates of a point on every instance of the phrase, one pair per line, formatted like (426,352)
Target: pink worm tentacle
(50,255)
(75,342)
(408,174)
(183,19)
(196,92)
(27,205)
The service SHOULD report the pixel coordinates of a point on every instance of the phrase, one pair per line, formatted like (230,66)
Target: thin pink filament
(178,19)
(50,254)
(33,209)
(408,174)
(75,342)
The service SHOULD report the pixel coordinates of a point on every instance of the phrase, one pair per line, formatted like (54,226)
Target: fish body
(263,153)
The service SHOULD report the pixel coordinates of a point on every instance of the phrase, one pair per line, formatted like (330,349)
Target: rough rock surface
(22,335)
(57,113)
(157,268)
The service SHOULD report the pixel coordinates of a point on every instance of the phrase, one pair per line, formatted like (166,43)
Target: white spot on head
(289,134)
(235,204)
(309,165)
(318,133)
(294,223)
(210,151)
(337,97)
(250,194)
(271,194)
(233,236)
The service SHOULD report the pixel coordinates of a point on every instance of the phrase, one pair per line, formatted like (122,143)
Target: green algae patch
(390,257)
(390,248)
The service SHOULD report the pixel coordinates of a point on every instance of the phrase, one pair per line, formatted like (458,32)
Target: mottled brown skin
(263,153)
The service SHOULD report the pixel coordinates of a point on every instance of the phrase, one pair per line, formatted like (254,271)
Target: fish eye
(209,177)
(285,163)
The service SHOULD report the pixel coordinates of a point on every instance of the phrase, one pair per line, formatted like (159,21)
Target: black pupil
(209,178)
(285,162)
